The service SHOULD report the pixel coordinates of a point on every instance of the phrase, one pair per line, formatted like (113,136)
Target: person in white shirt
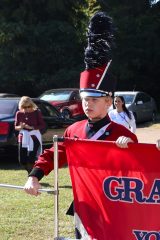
(122,115)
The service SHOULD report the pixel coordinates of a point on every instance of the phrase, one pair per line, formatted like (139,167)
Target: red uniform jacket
(78,130)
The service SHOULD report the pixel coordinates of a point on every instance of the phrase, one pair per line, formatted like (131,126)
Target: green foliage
(137,32)
(42,43)
(93,6)
(38,40)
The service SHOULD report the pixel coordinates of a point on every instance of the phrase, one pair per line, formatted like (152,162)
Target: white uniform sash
(100,132)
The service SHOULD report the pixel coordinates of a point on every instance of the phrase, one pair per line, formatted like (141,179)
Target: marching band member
(95,91)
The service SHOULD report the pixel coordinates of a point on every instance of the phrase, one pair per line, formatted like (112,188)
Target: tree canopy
(39,45)
(42,44)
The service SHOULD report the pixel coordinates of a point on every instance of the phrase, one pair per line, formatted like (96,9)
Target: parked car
(141,104)
(66,100)
(5,95)
(8,109)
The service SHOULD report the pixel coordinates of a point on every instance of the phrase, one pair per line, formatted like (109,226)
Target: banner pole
(45,190)
(55,141)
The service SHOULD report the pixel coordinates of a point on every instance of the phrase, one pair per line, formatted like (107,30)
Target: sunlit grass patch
(26,217)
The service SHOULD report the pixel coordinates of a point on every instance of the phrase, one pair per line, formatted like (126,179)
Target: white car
(141,104)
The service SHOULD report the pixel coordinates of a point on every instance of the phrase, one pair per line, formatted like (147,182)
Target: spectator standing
(29,122)
(122,115)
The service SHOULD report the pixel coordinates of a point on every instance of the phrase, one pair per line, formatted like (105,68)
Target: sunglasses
(25,107)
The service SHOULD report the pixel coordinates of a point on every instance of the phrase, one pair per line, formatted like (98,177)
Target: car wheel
(66,114)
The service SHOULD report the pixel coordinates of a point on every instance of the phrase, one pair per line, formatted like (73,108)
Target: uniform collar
(95,126)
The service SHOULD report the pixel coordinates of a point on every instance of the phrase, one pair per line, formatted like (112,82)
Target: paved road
(148,134)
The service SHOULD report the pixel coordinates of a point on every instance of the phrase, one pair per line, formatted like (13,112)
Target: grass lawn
(24,217)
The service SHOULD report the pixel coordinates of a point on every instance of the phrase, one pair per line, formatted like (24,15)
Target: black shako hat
(95,80)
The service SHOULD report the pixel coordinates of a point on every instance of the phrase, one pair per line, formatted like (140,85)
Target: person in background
(122,115)
(28,122)
(158,144)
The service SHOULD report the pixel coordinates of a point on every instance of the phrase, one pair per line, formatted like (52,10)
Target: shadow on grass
(9,159)
(45,184)
(66,186)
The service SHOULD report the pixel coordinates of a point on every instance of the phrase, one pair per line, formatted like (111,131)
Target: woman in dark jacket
(29,122)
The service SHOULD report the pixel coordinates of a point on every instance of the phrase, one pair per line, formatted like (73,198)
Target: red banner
(116,191)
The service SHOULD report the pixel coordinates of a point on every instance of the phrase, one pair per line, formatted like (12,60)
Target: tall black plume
(100,41)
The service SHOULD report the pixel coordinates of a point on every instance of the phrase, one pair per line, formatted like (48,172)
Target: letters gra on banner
(121,189)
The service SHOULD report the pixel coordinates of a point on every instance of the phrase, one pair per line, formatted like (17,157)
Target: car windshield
(128,98)
(8,107)
(56,96)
